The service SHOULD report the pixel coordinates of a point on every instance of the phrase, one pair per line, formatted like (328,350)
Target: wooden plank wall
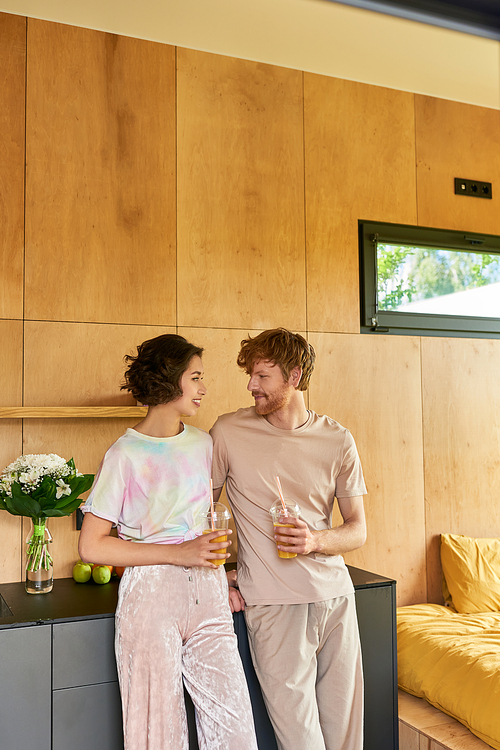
(148,189)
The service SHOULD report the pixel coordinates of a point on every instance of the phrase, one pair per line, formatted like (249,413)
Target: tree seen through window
(407,275)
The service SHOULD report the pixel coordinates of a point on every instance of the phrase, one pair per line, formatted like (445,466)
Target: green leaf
(46,493)
(21,504)
(85,482)
(66,510)
(71,465)
(47,486)
(9,508)
(67,500)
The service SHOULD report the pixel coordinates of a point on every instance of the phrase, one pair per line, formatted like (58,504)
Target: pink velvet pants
(174,626)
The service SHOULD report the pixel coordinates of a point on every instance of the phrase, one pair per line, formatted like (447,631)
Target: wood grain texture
(71,412)
(359,164)
(11,539)
(86,364)
(456,140)
(371,385)
(423,727)
(418,713)
(12,97)
(409,738)
(241,254)
(461,408)
(11,445)
(436,730)
(11,344)
(100,182)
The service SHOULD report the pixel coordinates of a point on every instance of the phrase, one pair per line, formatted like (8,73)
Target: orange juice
(218,551)
(285,555)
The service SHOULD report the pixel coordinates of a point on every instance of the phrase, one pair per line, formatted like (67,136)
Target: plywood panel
(372,386)
(456,140)
(409,738)
(86,441)
(79,364)
(461,408)
(360,164)
(419,714)
(12,65)
(431,725)
(100,228)
(11,344)
(240,193)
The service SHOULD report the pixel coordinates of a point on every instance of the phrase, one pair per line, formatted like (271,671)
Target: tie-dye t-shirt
(154,489)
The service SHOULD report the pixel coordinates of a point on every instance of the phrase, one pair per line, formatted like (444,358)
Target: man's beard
(273,402)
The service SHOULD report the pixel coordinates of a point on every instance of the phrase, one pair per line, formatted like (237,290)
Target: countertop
(69,600)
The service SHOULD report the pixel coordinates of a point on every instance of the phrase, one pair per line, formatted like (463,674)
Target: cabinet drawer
(83,653)
(87,717)
(25,688)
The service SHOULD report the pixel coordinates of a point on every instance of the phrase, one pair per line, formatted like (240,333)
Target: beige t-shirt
(315,463)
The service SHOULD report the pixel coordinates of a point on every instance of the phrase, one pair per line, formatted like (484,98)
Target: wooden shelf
(71,412)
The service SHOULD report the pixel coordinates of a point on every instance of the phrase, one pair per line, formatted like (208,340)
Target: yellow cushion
(471,569)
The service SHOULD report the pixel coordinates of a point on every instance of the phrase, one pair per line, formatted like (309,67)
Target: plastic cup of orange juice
(218,520)
(281,517)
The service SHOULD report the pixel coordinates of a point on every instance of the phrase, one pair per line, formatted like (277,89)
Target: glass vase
(39,566)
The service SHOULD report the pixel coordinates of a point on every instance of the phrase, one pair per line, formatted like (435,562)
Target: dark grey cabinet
(376,608)
(86,706)
(58,687)
(83,653)
(25,699)
(87,717)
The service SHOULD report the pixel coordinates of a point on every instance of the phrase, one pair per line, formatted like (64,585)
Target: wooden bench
(423,727)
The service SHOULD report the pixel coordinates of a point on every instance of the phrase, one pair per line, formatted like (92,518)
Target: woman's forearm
(97,546)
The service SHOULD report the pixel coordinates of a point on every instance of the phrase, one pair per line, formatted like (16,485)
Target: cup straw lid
(219,510)
(212,503)
(281,496)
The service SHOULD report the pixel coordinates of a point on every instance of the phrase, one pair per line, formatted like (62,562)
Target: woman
(173,622)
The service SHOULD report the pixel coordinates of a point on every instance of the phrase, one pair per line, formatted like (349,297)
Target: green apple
(101,573)
(82,572)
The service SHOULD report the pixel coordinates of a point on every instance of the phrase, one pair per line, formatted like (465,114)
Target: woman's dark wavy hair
(153,376)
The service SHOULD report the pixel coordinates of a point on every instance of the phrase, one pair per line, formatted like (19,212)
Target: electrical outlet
(79,519)
(473,187)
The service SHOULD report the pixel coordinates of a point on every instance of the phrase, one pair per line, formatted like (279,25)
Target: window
(432,282)
(481,17)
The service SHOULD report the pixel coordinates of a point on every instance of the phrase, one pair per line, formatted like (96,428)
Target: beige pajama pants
(174,625)
(308,661)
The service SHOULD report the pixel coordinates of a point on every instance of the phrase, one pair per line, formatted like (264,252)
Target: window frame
(418,324)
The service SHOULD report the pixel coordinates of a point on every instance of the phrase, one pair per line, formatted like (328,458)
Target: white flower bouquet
(41,486)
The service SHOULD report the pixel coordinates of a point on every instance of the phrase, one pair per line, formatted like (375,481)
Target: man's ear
(295,376)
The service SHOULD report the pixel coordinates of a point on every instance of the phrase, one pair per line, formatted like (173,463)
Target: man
(300,612)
